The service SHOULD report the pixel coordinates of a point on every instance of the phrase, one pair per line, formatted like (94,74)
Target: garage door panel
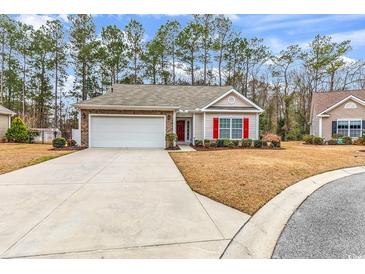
(127,131)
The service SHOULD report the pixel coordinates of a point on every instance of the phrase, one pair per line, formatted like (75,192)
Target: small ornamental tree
(18,131)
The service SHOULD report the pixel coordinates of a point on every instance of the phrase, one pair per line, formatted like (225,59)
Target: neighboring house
(141,115)
(5,120)
(338,112)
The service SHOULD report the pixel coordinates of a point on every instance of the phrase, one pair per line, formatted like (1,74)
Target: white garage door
(127,131)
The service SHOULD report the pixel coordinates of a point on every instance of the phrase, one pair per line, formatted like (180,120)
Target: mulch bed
(202,148)
(68,148)
(173,148)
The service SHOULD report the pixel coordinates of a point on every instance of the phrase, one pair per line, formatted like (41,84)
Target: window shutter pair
(245,132)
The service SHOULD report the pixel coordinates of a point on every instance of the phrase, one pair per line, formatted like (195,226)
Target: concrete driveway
(329,224)
(110,203)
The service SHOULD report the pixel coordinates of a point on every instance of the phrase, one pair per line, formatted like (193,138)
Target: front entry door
(180,130)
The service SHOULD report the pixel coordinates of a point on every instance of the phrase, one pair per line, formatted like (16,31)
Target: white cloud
(357,37)
(33,19)
(275,44)
(233,17)
(294,22)
(63,17)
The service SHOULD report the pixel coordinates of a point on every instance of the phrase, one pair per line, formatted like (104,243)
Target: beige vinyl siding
(238,102)
(340,112)
(4,124)
(252,123)
(198,126)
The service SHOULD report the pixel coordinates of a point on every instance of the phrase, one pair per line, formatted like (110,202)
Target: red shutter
(215,127)
(245,128)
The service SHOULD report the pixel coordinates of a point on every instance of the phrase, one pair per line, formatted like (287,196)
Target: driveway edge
(257,238)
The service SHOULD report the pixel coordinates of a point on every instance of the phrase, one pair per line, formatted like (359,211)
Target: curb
(257,238)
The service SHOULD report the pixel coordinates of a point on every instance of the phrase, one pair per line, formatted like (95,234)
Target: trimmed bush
(359,141)
(236,143)
(318,140)
(275,144)
(207,143)
(199,143)
(246,142)
(227,143)
(257,143)
(71,143)
(18,131)
(347,140)
(269,137)
(170,138)
(220,143)
(308,139)
(213,144)
(332,142)
(59,142)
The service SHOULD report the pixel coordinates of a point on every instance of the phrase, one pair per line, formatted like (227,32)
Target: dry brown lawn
(15,156)
(247,179)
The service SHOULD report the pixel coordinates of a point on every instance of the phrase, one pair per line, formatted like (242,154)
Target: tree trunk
(24,78)
(2,68)
(56,93)
(220,66)
(173,64)
(84,92)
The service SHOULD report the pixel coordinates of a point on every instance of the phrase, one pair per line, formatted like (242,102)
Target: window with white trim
(349,128)
(230,128)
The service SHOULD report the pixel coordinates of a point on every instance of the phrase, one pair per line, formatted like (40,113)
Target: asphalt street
(329,224)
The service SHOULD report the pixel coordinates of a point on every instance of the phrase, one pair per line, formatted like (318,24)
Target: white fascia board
(236,93)
(233,110)
(351,97)
(120,107)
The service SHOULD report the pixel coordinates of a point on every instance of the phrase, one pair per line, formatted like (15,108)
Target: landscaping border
(257,238)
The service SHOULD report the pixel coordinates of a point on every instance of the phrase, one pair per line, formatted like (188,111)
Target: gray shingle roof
(323,100)
(184,97)
(4,110)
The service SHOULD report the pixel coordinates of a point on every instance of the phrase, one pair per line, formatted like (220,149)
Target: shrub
(59,142)
(275,144)
(18,131)
(308,139)
(213,143)
(207,143)
(332,142)
(198,143)
(246,142)
(235,143)
(257,143)
(227,143)
(264,144)
(71,143)
(347,140)
(220,143)
(359,141)
(170,139)
(269,137)
(318,140)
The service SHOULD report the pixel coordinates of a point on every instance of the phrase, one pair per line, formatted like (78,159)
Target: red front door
(180,130)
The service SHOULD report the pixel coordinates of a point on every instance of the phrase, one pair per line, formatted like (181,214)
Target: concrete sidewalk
(110,203)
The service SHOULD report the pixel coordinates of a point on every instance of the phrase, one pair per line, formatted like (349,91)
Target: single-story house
(338,112)
(142,115)
(5,120)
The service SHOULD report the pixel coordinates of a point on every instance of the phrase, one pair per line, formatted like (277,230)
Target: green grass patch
(42,159)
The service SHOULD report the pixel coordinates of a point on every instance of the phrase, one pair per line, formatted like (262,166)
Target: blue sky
(278,31)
